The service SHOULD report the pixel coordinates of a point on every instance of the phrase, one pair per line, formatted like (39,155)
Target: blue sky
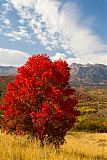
(96,9)
(73,30)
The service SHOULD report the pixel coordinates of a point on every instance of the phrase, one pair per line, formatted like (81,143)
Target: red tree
(39,102)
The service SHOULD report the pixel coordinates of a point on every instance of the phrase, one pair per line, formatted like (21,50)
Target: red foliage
(39,101)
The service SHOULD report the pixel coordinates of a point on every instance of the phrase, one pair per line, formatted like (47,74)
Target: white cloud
(91,58)
(10,57)
(6,22)
(49,48)
(6,7)
(58,56)
(81,58)
(60,25)
(22,33)
(21,21)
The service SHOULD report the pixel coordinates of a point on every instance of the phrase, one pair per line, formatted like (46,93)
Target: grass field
(79,146)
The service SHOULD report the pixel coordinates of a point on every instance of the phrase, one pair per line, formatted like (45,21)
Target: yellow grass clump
(79,146)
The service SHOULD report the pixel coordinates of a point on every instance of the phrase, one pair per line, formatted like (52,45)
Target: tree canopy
(39,101)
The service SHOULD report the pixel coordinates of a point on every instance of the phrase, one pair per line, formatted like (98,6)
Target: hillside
(7,70)
(88,74)
(80,74)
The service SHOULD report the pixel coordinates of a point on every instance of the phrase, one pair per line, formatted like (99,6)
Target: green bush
(85,124)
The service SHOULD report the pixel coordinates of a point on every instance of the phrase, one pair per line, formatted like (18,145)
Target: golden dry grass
(79,146)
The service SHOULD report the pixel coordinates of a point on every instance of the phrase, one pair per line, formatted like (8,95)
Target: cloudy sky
(74,30)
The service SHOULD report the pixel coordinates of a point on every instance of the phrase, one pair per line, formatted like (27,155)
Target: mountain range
(80,74)
(8,70)
(88,74)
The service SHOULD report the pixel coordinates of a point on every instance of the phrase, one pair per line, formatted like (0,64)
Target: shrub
(39,102)
(96,125)
(4,80)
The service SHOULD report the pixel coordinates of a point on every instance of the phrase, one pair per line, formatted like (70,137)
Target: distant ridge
(88,74)
(80,74)
(8,70)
